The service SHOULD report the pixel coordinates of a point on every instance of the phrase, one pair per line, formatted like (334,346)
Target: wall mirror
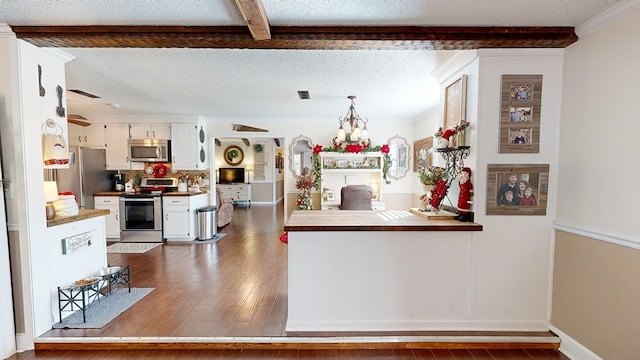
(233,155)
(300,152)
(400,157)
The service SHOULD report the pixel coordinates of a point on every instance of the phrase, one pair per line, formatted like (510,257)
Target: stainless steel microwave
(149,150)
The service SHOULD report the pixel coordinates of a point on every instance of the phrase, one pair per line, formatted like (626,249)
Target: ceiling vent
(84,93)
(303,95)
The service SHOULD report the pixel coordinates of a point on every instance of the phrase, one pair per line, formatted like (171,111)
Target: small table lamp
(50,195)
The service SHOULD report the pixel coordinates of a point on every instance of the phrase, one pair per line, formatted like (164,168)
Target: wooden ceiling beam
(299,38)
(255,17)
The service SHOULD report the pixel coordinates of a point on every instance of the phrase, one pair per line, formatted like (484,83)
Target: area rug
(131,247)
(103,310)
(215,238)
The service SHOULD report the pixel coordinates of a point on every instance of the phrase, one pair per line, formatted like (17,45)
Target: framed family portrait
(422,153)
(331,195)
(455,96)
(520,114)
(517,189)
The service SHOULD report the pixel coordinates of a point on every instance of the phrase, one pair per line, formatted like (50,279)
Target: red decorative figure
(466,193)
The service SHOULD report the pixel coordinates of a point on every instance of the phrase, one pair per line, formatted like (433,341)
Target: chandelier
(354,121)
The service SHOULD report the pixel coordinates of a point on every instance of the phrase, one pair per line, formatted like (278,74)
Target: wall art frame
(527,183)
(233,155)
(455,103)
(520,107)
(422,153)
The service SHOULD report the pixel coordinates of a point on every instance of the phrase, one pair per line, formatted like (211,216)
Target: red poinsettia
(438,194)
(384,149)
(353,148)
(317,149)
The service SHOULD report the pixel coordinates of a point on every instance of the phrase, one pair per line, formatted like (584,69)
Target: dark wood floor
(455,354)
(236,287)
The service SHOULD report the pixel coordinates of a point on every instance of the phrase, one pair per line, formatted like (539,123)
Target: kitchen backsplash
(185,174)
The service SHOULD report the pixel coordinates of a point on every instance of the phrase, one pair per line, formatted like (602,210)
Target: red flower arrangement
(353,148)
(463,125)
(317,149)
(384,149)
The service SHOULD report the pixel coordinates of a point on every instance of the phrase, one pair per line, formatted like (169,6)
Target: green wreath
(258,148)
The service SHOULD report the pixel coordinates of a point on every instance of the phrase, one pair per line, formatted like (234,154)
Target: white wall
(596,296)
(7,328)
(380,130)
(22,130)
(512,257)
(600,125)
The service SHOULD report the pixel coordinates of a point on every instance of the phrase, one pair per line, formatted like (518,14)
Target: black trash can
(207,221)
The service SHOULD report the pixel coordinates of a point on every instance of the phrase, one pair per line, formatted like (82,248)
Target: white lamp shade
(365,133)
(341,134)
(50,191)
(355,135)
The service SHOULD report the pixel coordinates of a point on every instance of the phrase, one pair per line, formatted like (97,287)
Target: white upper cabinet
(93,136)
(150,131)
(188,147)
(117,152)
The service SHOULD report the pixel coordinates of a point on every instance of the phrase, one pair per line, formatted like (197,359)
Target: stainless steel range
(141,213)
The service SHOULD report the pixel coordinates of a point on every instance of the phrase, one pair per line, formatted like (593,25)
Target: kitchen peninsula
(77,248)
(378,271)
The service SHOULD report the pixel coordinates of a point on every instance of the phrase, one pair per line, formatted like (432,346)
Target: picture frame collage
(520,114)
(519,189)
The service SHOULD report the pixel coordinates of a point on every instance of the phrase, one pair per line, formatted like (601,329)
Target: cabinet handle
(117,218)
(154,133)
(147,133)
(166,216)
(79,138)
(85,138)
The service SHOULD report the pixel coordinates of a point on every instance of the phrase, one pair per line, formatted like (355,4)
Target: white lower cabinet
(111,221)
(239,193)
(179,222)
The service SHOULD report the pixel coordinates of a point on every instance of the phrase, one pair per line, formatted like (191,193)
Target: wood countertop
(172,193)
(109,193)
(181,193)
(83,214)
(371,220)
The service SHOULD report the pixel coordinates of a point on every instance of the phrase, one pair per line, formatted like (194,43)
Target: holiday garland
(304,200)
(349,148)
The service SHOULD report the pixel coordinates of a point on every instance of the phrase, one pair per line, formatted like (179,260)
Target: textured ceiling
(250,85)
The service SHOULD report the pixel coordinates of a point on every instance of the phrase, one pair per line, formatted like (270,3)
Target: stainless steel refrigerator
(86,175)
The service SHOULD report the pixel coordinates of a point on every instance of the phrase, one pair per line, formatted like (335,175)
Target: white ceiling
(250,85)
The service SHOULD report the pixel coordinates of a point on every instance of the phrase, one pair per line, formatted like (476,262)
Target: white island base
(378,281)
(386,271)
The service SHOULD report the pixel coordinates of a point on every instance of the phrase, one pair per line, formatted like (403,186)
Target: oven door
(141,218)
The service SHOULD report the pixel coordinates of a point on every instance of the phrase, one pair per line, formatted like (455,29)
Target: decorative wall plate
(148,170)
(233,155)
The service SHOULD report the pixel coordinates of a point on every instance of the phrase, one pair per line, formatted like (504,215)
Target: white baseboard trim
(300,339)
(24,343)
(572,348)
(304,326)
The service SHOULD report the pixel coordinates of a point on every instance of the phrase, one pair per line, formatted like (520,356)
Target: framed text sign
(76,242)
